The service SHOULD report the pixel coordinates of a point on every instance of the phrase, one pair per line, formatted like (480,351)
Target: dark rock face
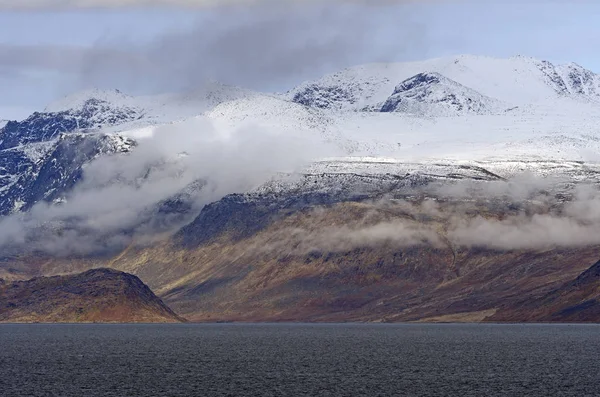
(243,216)
(41,127)
(570,79)
(589,277)
(323,97)
(555,81)
(434,94)
(98,295)
(419,80)
(581,80)
(41,157)
(24,180)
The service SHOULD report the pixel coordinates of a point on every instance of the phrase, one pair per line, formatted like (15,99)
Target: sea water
(299,360)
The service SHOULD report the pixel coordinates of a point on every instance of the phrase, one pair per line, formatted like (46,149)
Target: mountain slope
(45,171)
(113,111)
(351,261)
(443,190)
(267,111)
(42,157)
(365,246)
(575,301)
(579,80)
(99,295)
(91,113)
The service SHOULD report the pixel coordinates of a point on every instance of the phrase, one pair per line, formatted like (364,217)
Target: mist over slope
(172,154)
(431,178)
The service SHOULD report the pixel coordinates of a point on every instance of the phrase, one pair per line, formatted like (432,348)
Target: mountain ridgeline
(458,189)
(447,87)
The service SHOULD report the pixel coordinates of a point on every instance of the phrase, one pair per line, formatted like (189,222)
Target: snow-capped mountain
(45,171)
(92,114)
(268,111)
(43,156)
(460,110)
(431,94)
(190,191)
(114,111)
(516,81)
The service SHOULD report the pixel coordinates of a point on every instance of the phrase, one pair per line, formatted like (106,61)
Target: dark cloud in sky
(266,46)
(115,202)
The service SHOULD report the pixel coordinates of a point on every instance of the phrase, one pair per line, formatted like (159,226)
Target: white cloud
(118,195)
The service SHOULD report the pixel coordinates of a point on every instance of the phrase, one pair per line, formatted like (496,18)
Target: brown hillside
(98,295)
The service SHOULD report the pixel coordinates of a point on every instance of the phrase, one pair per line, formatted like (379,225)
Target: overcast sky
(51,47)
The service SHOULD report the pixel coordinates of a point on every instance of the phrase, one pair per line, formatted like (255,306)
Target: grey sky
(46,53)
(73,4)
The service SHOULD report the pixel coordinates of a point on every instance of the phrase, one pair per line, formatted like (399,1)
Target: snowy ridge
(45,171)
(105,109)
(77,101)
(516,81)
(268,110)
(500,168)
(579,80)
(443,117)
(93,114)
(431,94)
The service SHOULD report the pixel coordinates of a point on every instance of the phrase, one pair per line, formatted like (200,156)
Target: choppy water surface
(299,360)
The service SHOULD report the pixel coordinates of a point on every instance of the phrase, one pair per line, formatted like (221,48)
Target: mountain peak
(432,94)
(517,81)
(80,99)
(420,80)
(86,110)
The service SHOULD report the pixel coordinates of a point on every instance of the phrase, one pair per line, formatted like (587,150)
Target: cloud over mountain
(276,42)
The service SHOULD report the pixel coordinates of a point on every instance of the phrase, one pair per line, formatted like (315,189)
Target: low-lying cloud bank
(164,183)
(339,239)
(157,187)
(499,215)
(573,224)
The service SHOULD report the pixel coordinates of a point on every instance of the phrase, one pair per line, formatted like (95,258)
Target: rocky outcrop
(44,126)
(45,172)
